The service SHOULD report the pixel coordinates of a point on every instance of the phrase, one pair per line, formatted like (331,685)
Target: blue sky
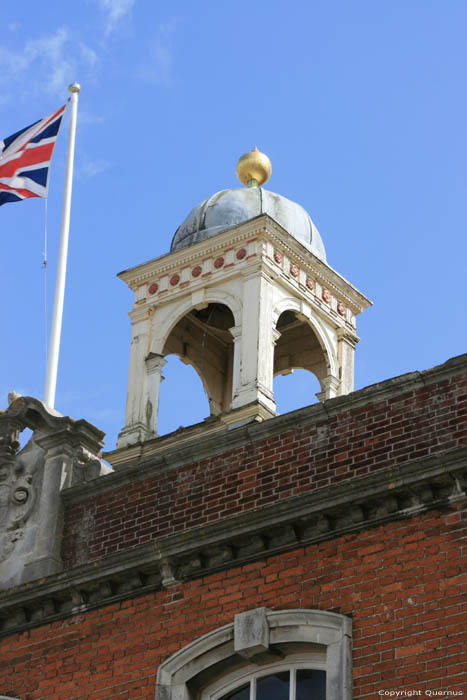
(360,105)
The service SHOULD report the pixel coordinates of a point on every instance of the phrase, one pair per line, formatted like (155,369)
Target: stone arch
(304,343)
(295,305)
(252,638)
(202,338)
(161,326)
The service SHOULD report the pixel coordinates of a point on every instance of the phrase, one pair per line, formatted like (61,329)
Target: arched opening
(183,399)
(202,339)
(296,389)
(300,363)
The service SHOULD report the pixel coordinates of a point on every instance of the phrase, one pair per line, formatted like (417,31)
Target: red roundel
(175,279)
(218,262)
(153,288)
(241,253)
(196,271)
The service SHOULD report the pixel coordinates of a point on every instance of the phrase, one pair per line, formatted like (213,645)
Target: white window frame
(292,662)
(270,629)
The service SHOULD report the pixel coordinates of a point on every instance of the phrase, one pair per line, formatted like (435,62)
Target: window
(293,680)
(264,655)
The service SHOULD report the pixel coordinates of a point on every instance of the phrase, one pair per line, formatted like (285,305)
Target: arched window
(298,677)
(264,655)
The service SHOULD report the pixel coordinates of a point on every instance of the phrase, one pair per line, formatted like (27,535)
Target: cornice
(167,263)
(399,493)
(262,226)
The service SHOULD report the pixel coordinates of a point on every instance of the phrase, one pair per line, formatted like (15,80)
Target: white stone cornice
(224,244)
(194,253)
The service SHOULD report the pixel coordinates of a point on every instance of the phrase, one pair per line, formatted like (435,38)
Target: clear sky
(361,107)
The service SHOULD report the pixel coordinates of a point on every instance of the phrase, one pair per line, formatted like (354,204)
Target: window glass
(288,682)
(273,687)
(242,693)
(310,684)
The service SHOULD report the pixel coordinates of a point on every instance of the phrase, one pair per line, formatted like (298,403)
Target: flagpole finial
(74,87)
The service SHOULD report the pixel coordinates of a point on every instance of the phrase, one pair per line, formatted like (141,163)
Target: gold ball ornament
(254,168)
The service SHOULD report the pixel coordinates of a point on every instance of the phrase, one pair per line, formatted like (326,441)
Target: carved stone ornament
(277,257)
(31,479)
(341,309)
(294,270)
(326,296)
(153,288)
(196,271)
(310,283)
(218,263)
(86,466)
(241,253)
(175,279)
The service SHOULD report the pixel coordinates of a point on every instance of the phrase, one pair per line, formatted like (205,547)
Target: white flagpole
(55,332)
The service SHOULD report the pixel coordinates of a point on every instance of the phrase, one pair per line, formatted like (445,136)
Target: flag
(25,159)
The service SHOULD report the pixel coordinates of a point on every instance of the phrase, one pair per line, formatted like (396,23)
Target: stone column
(154,366)
(346,342)
(257,353)
(236,333)
(135,419)
(330,388)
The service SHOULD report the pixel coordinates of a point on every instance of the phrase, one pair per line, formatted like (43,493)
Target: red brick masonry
(397,430)
(400,582)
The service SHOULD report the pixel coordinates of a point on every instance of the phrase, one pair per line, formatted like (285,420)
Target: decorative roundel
(20,495)
(241,253)
(294,270)
(341,309)
(153,288)
(310,283)
(218,262)
(175,279)
(326,296)
(196,271)
(278,257)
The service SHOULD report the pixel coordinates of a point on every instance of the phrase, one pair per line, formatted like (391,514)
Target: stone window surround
(253,636)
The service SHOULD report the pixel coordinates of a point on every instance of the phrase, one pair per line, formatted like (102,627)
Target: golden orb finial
(254,168)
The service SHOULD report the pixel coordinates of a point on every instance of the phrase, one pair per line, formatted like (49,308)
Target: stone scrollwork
(60,452)
(17,491)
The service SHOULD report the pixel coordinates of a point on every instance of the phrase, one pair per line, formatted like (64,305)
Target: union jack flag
(25,159)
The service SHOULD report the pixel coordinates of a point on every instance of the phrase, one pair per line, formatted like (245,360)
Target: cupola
(244,294)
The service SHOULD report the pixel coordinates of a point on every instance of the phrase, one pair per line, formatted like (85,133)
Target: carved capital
(155,363)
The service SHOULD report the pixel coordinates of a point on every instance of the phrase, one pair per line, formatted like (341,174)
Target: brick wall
(400,582)
(350,443)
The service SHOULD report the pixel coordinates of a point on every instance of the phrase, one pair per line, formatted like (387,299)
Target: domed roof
(231,207)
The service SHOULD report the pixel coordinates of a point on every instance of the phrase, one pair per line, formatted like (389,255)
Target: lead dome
(229,208)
